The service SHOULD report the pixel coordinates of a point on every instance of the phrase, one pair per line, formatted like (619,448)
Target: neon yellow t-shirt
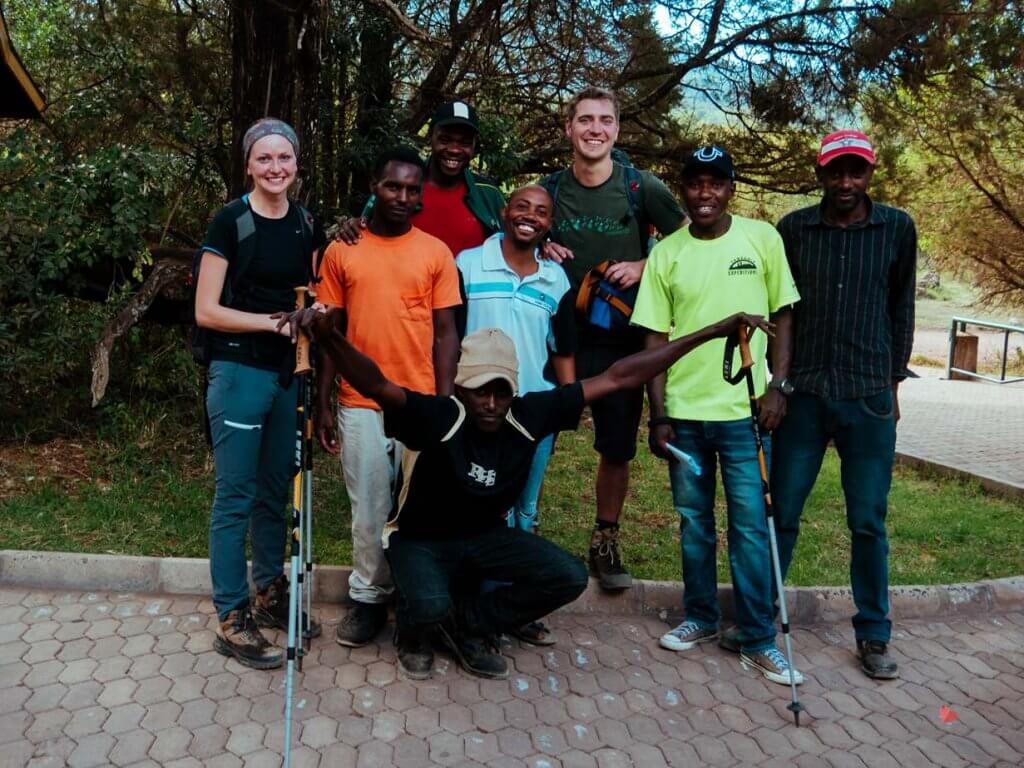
(690,283)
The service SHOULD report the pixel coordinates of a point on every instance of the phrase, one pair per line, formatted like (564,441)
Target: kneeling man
(467,460)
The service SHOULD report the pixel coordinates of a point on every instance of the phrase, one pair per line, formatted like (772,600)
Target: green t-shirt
(596,223)
(689,284)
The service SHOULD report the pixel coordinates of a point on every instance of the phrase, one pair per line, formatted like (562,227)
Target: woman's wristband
(659,421)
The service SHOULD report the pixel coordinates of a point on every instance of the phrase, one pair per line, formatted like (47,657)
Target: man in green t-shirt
(606,210)
(717,264)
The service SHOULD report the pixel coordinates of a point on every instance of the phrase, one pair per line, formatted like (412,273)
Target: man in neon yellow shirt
(720,263)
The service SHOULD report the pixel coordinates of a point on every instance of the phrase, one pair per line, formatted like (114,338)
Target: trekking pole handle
(746,360)
(302,362)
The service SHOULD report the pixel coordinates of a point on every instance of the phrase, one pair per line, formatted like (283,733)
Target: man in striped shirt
(853,261)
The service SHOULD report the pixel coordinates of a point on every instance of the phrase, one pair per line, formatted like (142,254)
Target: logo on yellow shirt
(742,266)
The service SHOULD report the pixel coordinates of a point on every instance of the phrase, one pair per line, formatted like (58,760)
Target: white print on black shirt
(481,475)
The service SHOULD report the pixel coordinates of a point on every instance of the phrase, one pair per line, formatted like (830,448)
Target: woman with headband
(257,249)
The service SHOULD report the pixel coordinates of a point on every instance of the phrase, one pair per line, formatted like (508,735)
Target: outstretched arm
(637,369)
(359,370)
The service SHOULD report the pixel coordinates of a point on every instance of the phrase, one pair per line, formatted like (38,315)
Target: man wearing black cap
(459,206)
(719,263)
(854,261)
(466,461)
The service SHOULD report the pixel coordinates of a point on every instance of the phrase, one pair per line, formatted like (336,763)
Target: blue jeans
(524,514)
(252,422)
(731,444)
(438,577)
(864,433)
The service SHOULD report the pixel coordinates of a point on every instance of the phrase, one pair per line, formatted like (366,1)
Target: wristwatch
(785,386)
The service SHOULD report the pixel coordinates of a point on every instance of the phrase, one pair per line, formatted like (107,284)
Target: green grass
(131,500)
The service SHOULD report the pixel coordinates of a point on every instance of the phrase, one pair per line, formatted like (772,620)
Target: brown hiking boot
(240,637)
(271,609)
(606,562)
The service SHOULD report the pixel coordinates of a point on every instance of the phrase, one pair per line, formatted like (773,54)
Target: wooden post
(965,355)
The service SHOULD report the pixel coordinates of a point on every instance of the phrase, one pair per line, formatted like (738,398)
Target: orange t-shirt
(389,287)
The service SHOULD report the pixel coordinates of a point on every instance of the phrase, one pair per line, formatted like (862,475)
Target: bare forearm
(446,358)
(326,372)
(782,344)
(639,368)
(656,386)
(359,370)
(565,368)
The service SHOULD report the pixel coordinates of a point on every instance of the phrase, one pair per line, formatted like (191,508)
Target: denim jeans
(524,514)
(436,577)
(864,433)
(730,444)
(252,422)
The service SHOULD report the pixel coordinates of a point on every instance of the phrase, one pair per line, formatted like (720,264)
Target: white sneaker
(771,663)
(686,636)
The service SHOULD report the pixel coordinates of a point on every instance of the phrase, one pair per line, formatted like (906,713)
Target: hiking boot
(606,562)
(415,655)
(240,638)
(876,661)
(271,609)
(361,624)
(477,655)
(730,640)
(686,636)
(771,662)
(534,633)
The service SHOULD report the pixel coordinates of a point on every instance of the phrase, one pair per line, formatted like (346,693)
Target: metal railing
(961,323)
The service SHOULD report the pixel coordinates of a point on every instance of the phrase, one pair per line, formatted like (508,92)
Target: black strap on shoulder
(245,251)
(634,181)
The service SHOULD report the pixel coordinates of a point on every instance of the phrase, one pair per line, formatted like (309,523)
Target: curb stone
(188,576)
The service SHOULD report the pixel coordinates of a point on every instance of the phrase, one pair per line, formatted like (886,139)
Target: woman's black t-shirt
(268,285)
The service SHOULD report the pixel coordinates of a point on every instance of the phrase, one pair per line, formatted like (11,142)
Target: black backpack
(634,196)
(245,228)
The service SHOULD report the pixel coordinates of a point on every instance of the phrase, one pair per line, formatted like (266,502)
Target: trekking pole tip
(796,708)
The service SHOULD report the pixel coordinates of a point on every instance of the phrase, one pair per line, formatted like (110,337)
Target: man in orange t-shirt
(399,288)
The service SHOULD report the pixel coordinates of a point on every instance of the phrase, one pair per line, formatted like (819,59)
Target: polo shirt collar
(494,260)
(874,219)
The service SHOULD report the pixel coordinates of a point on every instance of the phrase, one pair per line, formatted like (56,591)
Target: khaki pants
(370,462)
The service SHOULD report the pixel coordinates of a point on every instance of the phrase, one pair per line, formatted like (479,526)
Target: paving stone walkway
(969,426)
(91,679)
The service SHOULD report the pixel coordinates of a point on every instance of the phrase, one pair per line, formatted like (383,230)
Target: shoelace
(608,546)
(775,656)
(686,628)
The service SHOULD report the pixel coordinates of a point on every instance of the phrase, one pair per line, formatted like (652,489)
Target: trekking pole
(307,508)
(746,371)
(302,370)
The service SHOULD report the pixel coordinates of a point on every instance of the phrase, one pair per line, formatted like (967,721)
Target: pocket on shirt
(878,405)
(416,308)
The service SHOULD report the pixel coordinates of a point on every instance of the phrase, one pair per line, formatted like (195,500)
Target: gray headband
(268,126)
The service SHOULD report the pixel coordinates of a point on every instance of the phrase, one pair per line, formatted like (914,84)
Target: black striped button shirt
(854,326)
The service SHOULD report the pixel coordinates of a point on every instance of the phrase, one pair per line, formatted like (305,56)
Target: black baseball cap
(455,113)
(710,157)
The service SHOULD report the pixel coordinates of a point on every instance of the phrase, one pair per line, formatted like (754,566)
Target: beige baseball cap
(487,354)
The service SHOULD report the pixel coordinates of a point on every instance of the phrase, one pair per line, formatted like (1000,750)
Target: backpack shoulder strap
(245,241)
(634,181)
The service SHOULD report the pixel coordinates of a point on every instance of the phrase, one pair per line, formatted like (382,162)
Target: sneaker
(241,639)
(876,661)
(477,655)
(361,624)
(534,633)
(271,609)
(606,562)
(415,655)
(771,662)
(730,640)
(686,636)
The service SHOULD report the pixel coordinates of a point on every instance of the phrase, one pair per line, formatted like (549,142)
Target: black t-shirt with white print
(459,481)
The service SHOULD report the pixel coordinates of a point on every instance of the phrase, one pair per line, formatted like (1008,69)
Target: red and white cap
(845,143)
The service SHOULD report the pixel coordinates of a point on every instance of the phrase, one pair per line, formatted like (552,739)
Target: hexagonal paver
(91,751)
(245,738)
